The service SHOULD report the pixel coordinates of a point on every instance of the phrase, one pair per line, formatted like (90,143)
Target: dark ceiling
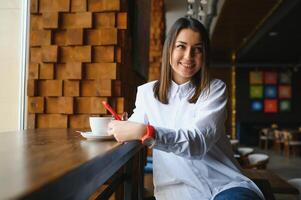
(266,32)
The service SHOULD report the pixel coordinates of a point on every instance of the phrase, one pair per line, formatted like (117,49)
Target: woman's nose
(188,53)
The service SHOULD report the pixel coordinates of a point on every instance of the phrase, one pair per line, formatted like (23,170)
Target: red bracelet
(150,133)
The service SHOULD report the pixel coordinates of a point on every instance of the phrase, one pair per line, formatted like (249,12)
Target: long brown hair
(201,79)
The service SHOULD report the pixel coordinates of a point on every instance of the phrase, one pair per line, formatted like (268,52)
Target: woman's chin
(187,74)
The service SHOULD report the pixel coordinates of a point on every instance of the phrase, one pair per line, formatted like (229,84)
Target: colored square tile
(270,106)
(256,91)
(270,91)
(270,77)
(256,77)
(285,91)
(285,77)
(285,105)
(256,106)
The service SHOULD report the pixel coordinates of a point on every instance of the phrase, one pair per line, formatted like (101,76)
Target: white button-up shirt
(192,157)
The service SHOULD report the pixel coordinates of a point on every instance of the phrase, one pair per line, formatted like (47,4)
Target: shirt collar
(182,89)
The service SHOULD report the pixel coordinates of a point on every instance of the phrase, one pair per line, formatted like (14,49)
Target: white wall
(10,59)
(178,8)
(174,9)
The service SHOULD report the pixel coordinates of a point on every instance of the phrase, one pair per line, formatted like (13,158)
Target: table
(61,164)
(278,185)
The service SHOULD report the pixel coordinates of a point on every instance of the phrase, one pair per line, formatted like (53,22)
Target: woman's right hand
(126,130)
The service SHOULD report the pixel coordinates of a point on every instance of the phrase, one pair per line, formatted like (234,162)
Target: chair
(257,161)
(292,142)
(274,126)
(265,136)
(278,141)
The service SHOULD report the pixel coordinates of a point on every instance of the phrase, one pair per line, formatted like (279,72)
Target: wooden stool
(296,182)
(257,161)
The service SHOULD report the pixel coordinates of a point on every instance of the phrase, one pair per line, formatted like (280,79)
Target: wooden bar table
(61,164)
(278,185)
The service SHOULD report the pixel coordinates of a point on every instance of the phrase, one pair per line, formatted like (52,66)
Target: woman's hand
(126,130)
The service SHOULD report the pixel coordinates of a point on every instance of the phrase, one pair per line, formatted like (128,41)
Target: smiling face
(186,56)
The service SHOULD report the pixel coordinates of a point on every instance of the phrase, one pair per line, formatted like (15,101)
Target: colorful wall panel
(270,105)
(285,105)
(256,77)
(270,77)
(270,91)
(256,91)
(256,105)
(285,78)
(285,91)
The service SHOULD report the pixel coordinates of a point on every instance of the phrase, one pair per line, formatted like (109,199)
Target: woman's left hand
(126,130)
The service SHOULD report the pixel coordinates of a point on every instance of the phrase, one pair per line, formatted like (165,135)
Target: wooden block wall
(156,38)
(157,32)
(75,60)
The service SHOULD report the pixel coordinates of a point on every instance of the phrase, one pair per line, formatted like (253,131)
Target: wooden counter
(61,164)
(278,185)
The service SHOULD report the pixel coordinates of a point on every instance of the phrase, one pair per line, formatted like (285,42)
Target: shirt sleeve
(139,114)
(195,141)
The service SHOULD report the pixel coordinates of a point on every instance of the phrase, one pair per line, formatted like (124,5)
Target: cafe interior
(62,58)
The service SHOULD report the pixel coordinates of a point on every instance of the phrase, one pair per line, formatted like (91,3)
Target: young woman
(182,116)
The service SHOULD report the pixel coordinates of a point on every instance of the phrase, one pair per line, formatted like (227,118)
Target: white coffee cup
(99,125)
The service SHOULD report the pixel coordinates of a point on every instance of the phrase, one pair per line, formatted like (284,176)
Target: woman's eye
(198,49)
(180,46)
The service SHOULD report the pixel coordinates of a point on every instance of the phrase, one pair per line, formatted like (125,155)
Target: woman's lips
(185,65)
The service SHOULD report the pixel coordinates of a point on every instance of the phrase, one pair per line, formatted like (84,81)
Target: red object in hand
(110,109)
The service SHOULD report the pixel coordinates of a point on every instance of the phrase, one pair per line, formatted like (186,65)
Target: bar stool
(278,141)
(292,143)
(244,151)
(234,143)
(243,155)
(296,182)
(265,135)
(257,161)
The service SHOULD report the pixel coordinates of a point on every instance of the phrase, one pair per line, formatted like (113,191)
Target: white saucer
(91,136)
